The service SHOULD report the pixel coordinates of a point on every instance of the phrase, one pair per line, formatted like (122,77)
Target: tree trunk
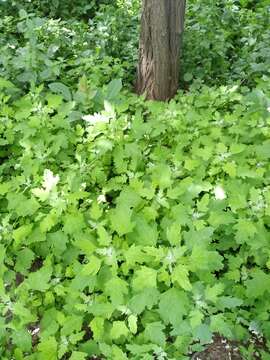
(162,25)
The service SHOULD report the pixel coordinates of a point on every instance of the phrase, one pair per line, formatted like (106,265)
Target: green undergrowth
(132,229)
(142,229)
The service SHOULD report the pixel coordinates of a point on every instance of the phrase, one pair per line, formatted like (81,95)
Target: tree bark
(162,25)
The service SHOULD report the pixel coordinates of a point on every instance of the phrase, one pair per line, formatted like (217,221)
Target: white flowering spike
(49,180)
(96,118)
(219,193)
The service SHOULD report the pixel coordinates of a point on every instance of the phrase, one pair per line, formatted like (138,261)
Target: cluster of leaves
(128,238)
(227,41)
(224,43)
(38,50)
(131,229)
(54,9)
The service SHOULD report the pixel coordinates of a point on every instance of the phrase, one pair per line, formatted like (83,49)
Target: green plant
(110,222)
(132,229)
(55,9)
(226,42)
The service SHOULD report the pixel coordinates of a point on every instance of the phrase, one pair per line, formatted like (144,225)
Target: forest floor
(224,349)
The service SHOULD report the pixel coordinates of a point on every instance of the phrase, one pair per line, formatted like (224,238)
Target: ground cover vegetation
(132,229)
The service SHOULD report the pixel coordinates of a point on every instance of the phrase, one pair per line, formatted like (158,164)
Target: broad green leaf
(154,333)
(196,317)
(202,259)
(6,84)
(212,293)
(24,260)
(116,289)
(101,309)
(93,266)
(104,238)
(132,323)
(62,89)
(97,326)
(47,349)
(258,285)
(146,299)
(174,234)
(230,169)
(121,220)
(119,329)
(40,279)
(162,176)
(113,89)
(21,205)
(143,232)
(203,333)
(245,231)
(78,355)
(229,302)
(144,278)
(219,324)
(173,306)
(20,235)
(180,276)
(58,241)
(22,339)
(73,223)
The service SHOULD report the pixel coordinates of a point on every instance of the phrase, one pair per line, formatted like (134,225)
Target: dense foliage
(132,229)
(55,9)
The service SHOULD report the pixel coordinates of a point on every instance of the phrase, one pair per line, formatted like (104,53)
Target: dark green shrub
(55,9)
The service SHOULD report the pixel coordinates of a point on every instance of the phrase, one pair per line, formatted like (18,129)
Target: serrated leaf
(6,84)
(101,309)
(203,334)
(47,349)
(219,324)
(121,220)
(20,235)
(144,278)
(245,231)
(173,306)
(24,260)
(230,169)
(212,293)
(93,266)
(78,355)
(146,299)
(203,259)
(258,285)
(48,222)
(73,223)
(180,276)
(39,280)
(174,234)
(116,289)
(196,317)
(229,302)
(21,205)
(162,176)
(23,340)
(143,232)
(154,333)
(59,242)
(97,326)
(132,323)
(119,329)
(104,238)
